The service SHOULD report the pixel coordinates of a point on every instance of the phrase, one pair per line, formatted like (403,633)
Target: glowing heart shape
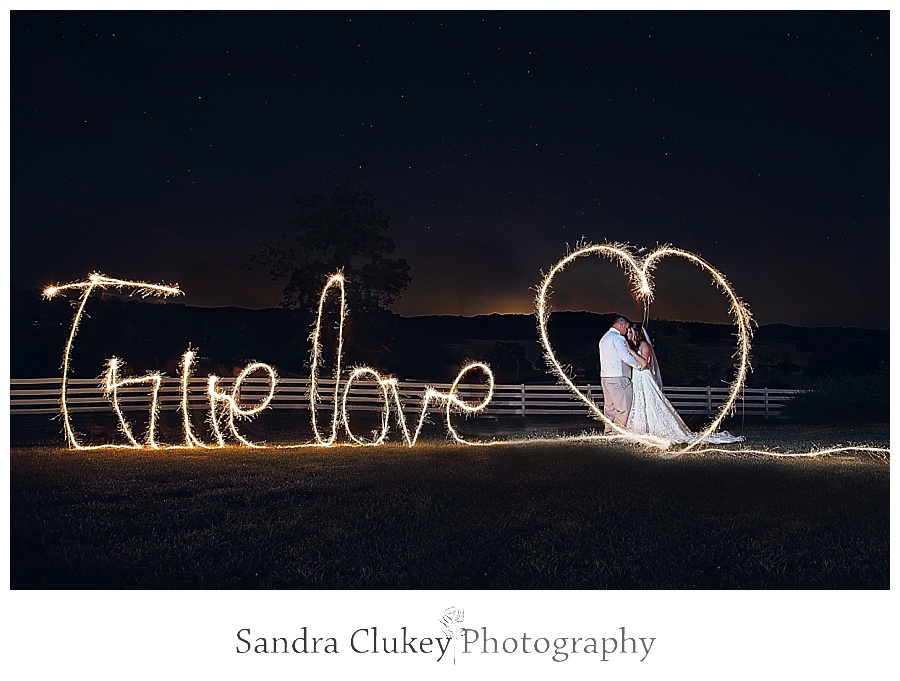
(640,270)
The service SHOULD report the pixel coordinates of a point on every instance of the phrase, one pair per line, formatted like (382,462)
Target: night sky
(164,146)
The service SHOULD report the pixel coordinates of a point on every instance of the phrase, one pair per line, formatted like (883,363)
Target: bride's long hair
(638,327)
(643,336)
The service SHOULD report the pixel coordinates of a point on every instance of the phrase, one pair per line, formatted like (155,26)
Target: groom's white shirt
(615,360)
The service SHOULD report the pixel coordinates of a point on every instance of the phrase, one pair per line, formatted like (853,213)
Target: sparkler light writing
(226,407)
(187,369)
(233,402)
(340,410)
(111,386)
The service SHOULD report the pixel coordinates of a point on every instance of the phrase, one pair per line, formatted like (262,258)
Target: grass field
(537,516)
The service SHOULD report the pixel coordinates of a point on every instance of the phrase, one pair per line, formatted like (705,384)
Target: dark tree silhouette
(342,231)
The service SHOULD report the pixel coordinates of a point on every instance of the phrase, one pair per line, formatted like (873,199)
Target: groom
(616,364)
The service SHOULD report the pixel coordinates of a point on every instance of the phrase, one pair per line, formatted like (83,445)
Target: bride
(651,412)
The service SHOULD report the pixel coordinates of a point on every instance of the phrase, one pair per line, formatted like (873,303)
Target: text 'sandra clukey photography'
(453,644)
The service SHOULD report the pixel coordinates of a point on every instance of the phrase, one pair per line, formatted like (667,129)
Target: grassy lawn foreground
(566,516)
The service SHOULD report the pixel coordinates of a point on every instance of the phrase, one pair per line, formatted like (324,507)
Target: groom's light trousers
(617,398)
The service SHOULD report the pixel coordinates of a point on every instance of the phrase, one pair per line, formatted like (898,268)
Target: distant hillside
(690,352)
(430,348)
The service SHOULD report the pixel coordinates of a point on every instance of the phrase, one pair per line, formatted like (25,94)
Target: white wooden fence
(42,396)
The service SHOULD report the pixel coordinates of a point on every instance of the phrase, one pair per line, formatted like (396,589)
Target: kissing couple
(633,398)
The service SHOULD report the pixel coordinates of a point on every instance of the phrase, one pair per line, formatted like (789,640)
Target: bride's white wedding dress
(653,414)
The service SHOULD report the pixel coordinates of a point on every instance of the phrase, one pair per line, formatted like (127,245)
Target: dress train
(653,414)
